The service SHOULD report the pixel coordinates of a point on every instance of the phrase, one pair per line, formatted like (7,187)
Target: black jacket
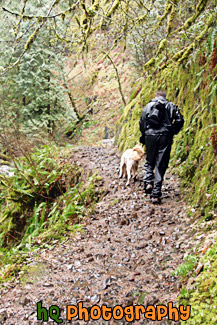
(172,120)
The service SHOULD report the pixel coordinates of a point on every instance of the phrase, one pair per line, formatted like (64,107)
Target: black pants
(158,149)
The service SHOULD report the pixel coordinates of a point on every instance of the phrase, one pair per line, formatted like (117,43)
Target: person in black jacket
(159,122)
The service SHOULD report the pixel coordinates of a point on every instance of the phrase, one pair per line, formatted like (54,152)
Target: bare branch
(70,9)
(21,16)
(30,40)
(118,78)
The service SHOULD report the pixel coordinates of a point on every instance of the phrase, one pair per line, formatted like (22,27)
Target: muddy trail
(125,255)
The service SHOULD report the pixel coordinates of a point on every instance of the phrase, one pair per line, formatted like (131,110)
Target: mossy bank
(193,87)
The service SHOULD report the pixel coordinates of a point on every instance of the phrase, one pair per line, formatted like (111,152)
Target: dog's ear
(138,148)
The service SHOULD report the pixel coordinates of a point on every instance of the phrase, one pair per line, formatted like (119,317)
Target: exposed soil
(125,255)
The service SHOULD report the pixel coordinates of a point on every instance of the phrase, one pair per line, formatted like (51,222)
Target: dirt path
(125,256)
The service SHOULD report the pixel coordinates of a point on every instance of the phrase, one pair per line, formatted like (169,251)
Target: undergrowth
(203,295)
(187,266)
(45,200)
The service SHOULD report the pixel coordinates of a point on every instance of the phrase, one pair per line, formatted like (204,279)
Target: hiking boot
(156,200)
(148,188)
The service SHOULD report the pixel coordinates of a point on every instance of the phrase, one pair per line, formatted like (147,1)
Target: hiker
(159,122)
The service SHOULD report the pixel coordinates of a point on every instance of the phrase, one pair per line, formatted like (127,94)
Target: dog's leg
(121,168)
(134,174)
(135,169)
(121,172)
(125,171)
(129,167)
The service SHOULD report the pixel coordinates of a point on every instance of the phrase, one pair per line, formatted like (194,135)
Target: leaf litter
(125,255)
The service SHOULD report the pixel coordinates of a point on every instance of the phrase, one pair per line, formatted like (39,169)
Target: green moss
(171,19)
(203,296)
(113,8)
(129,131)
(199,10)
(39,19)
(142,18)
(63,15)
(31,38)
(167,11)
(188,22)
(33,272)
(162,46)
(192,151)
(150,63)
(197,40)
(201,6)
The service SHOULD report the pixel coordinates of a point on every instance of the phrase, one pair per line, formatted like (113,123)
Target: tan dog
(130,161)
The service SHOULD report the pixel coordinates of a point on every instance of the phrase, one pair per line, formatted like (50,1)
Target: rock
(142,262)
(164,241)
(95,299)
(91,259)
(136,273)
(69,266)
(3,315)
(191,284)
(142,246)
(125,222)
(24,301)
(73,301)
(6,170)
(199,268)
(48,285)
(151,300)
(77,263)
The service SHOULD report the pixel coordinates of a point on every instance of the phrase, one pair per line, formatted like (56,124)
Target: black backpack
(156,115)
(152,117)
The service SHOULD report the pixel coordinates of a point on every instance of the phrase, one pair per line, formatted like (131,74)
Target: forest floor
(124,256)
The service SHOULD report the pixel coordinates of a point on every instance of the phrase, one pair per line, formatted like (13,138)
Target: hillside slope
(95,88)
(193,87)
